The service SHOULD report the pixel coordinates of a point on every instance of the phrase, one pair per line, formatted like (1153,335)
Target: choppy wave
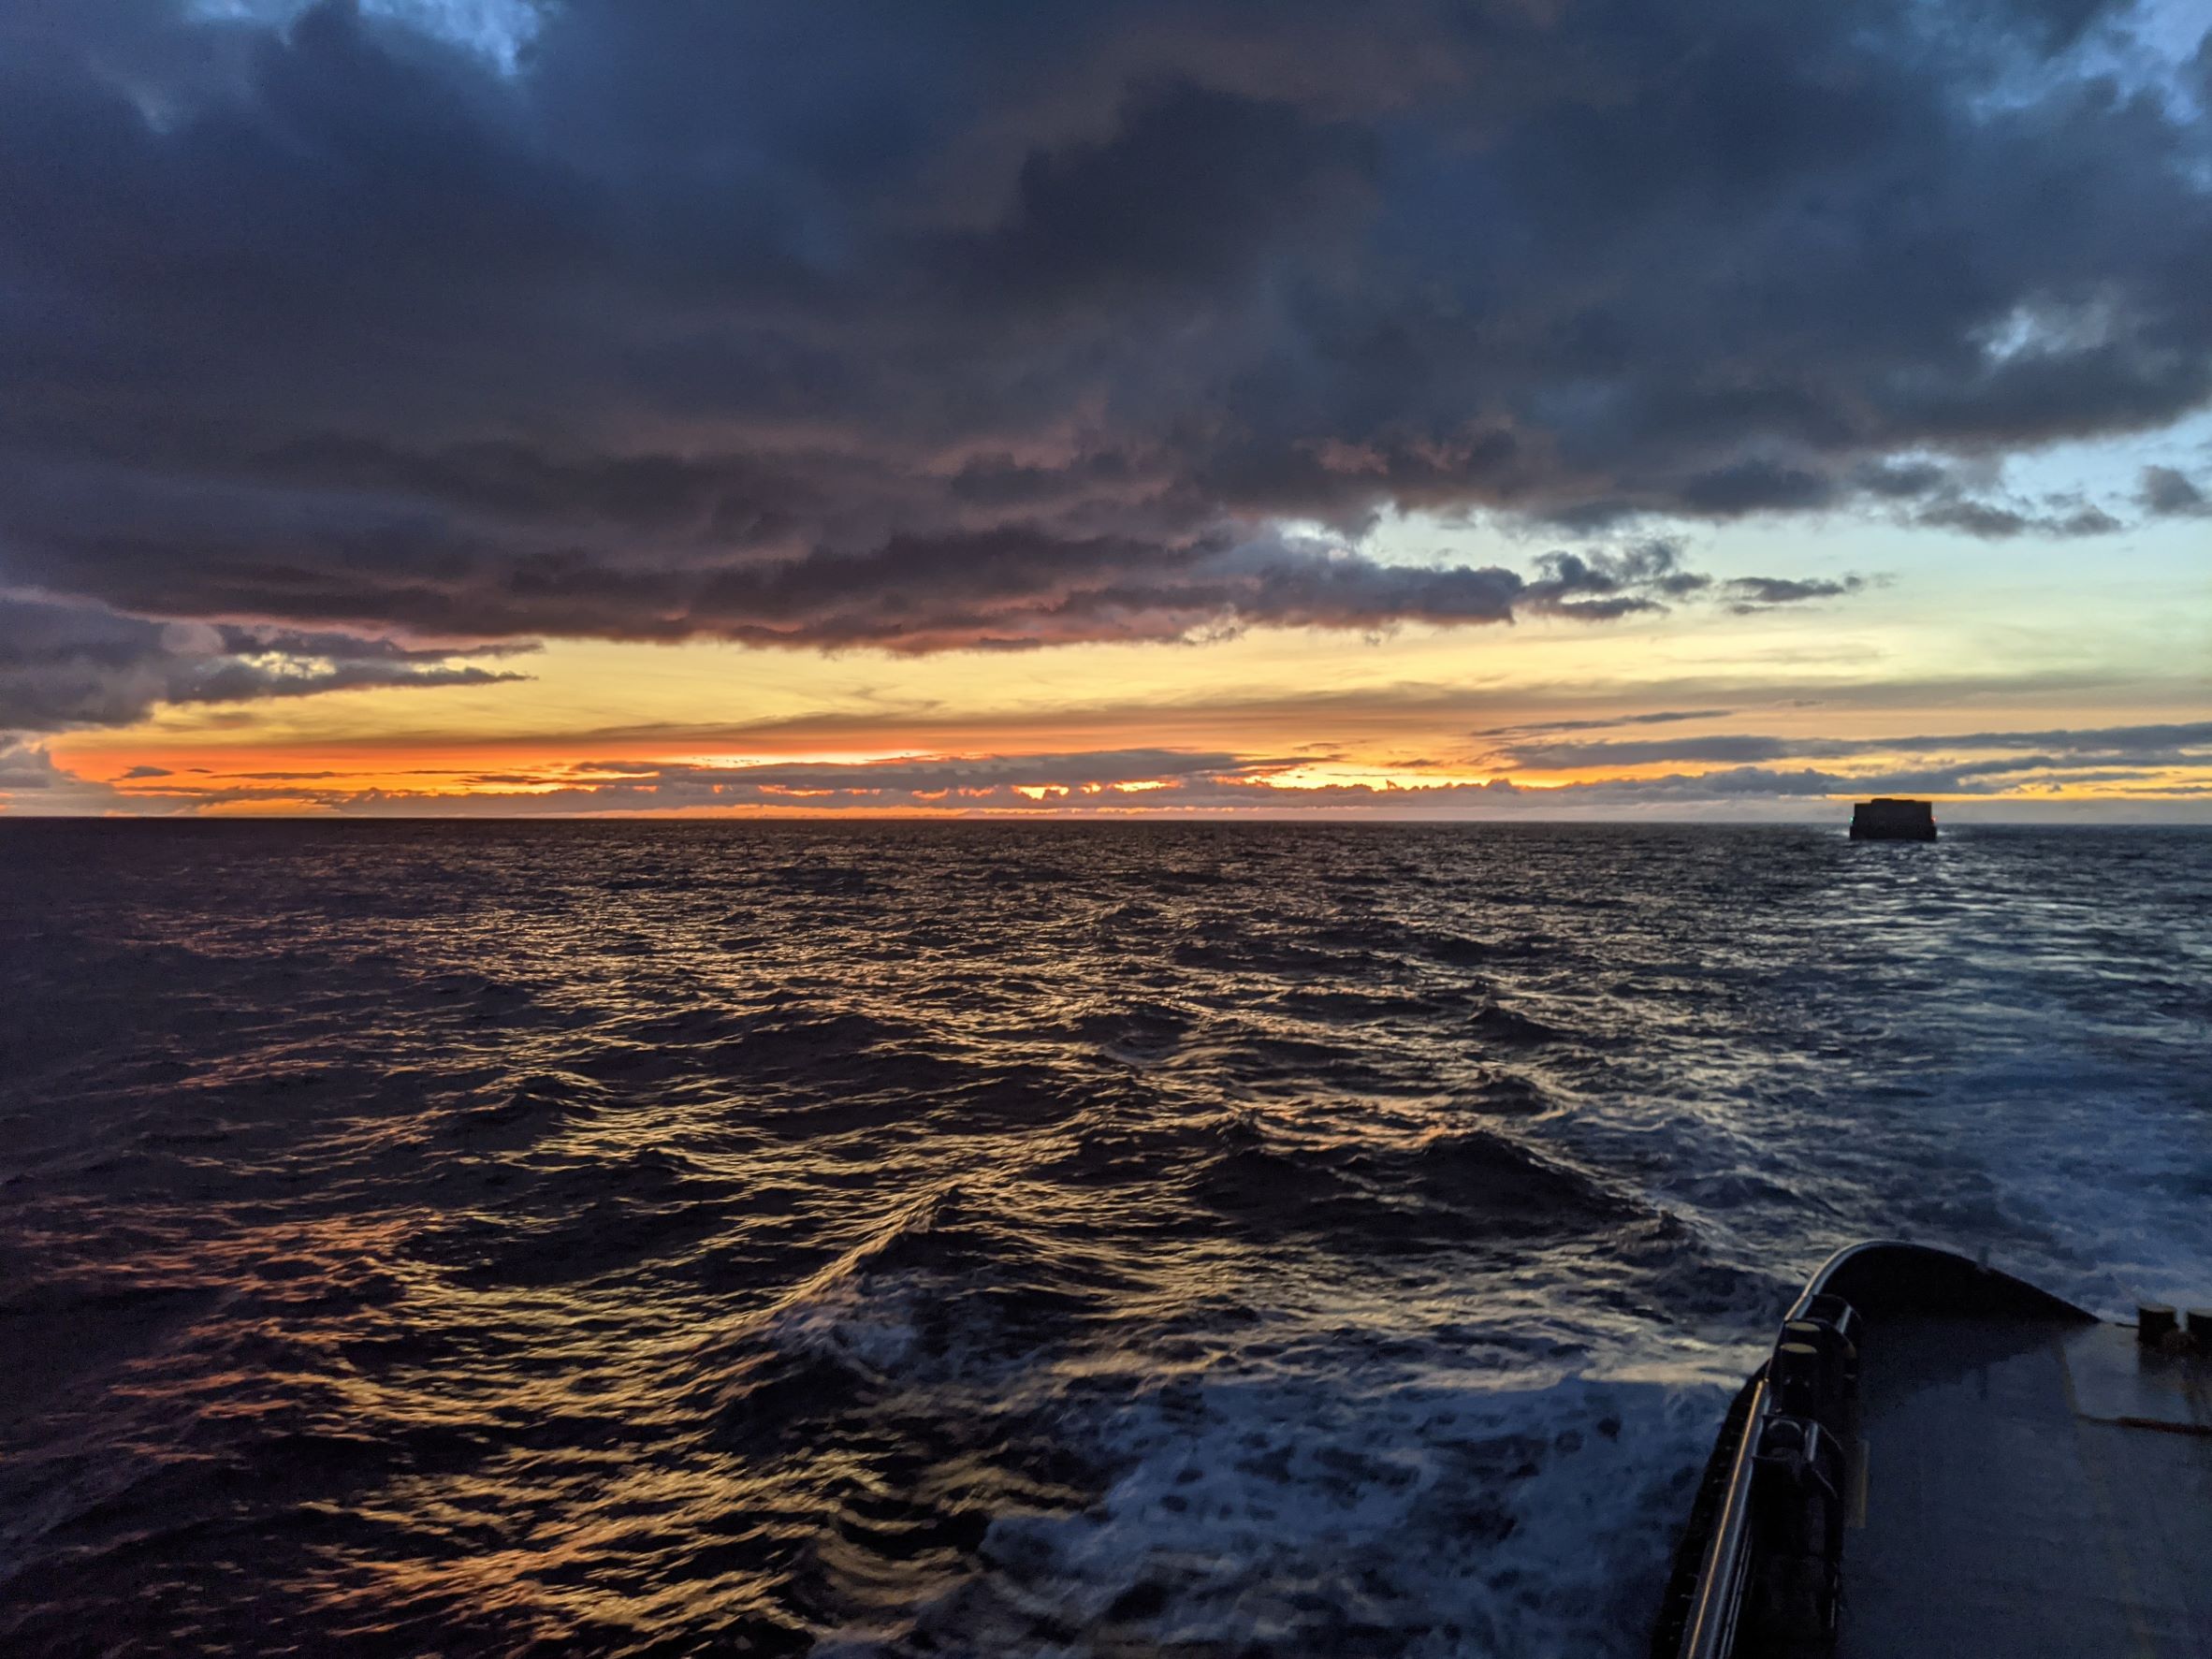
(1099,1239)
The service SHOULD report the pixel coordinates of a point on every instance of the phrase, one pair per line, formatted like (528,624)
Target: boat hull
(2006,1475)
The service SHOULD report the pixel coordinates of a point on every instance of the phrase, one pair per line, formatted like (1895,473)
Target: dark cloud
(25,765)
(920,327)
(65,665)
(1896,479)
(1746,486)
(994,588)
(2170,493)
(1993,523)
(1600,586)
(2138,739)
(1724,749)
(1187,197)
(1663,716)
(2174,744)
(1755,593)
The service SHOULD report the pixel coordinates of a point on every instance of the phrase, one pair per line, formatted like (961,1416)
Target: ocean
(1113,1238)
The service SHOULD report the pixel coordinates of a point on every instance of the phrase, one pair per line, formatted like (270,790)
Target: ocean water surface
(893,1238)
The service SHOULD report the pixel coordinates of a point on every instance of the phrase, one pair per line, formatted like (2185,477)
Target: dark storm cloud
(1746,486)
(1003,588)
(860,324)
(1900,479)
(65,665)
(2172,494)
(1185,197)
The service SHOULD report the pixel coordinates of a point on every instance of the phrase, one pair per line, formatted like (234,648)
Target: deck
(2029,1489)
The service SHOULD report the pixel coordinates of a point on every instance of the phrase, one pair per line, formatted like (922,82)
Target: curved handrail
(1710,1630)
(1988,1282)
(1712,1626)
(1818,1283)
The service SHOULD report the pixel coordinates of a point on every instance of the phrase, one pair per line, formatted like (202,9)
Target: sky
(1500,408)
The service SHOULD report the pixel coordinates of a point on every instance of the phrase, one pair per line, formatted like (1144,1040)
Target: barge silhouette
(1886,818)
(1942,1460)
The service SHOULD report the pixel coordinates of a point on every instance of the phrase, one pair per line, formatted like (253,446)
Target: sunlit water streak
(960,1239)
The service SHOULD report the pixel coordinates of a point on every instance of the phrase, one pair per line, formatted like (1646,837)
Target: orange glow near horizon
(235,776)
(1425,719)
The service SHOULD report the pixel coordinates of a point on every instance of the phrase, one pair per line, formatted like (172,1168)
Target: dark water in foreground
(975,1240)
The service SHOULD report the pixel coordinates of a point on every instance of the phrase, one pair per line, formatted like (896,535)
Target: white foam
(1455,1514)
(871,1325)
(2081,1153)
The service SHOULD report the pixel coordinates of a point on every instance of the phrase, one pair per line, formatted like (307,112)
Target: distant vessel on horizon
(1889,817)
